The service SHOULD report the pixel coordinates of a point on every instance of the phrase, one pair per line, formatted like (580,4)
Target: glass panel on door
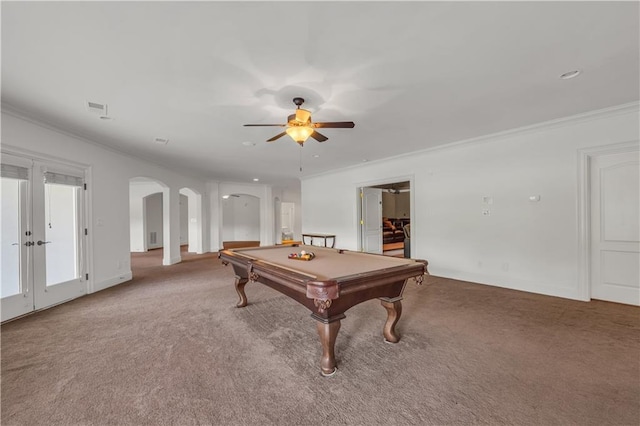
(11,237)
(15,241)
(61,233)
(57,224)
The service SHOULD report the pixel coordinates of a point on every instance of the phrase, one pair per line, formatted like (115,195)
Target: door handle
(42,242)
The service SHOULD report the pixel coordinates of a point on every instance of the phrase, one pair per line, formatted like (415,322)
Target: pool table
(328,285)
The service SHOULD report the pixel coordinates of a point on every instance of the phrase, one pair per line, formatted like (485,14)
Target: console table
(324,237)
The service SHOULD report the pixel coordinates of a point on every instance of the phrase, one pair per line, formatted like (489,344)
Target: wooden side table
(324,237)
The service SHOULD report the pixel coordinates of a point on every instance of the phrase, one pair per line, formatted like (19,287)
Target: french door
(42,238)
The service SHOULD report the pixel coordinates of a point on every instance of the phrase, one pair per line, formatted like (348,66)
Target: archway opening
(147,221)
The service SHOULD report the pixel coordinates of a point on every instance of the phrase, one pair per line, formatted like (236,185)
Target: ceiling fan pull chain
(300,158)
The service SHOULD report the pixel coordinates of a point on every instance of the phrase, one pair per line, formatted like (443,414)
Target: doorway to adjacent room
(385,218)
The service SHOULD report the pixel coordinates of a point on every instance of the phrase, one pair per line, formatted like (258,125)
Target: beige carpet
(170,348)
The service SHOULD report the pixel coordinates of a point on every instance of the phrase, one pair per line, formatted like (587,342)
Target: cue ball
(303,252)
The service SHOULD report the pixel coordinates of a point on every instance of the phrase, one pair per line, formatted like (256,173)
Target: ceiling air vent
(97,108)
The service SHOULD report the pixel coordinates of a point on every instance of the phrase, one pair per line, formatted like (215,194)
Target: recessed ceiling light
(225,196)
(364,160)
(256,179)
(570,74)
(247,143)
(316,156)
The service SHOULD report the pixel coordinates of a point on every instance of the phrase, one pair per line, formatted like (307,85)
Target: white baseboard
(564,290)
(119,279)
(172,261)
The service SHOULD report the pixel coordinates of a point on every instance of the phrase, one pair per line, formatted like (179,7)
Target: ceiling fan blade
(335,124)
(278,136)
(258,125)
(318,136)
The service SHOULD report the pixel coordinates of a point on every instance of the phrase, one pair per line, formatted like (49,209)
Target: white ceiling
(411,75)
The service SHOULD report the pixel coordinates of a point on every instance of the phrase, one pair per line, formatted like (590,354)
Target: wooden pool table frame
(328,299)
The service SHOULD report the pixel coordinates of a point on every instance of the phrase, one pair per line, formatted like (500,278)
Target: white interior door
(371,221)
(43,234)
(615,231)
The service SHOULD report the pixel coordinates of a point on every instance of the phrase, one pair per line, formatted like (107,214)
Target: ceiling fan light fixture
(299,133)
(302,115)
(300,127)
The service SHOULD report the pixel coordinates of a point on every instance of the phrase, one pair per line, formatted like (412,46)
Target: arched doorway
(147,221)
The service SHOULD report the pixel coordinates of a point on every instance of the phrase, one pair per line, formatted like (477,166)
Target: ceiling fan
(300,127)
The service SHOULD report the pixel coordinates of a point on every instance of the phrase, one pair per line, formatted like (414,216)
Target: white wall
(184,220)
(228,220)
(241,218)
(108,174)
(263,192)
(525,245)
(195,221)
(215,215)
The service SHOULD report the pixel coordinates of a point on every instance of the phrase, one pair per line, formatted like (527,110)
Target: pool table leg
(394,310)
(328,332)
(240,283)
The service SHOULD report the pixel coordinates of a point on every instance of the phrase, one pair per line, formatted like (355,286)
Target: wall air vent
(161,141)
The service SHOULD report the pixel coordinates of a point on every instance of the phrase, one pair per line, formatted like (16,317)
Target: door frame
(584,208)
(47,296)
(86,209)
(383,181)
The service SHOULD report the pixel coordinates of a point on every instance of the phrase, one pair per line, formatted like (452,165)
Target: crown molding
(25,116)
(524,130)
